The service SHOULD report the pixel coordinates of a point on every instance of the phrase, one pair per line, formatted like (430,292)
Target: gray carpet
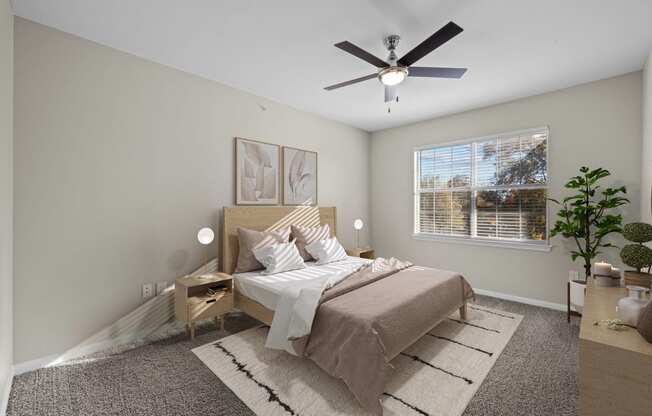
(535,375)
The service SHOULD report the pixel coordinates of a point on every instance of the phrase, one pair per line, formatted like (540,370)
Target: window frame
(542,245)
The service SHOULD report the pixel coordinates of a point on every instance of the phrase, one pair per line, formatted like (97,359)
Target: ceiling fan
(394,71)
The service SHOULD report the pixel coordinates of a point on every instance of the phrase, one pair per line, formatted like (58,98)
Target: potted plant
(586,216)
(637,255)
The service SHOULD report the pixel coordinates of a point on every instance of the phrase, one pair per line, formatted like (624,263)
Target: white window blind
(488,189)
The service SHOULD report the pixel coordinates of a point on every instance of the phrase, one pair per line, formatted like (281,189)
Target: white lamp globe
(205,236)
(358,224)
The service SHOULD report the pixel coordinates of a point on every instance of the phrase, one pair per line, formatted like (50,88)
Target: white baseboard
(146,323)
(35,364)
(157,314)
(519,299)
(6,390)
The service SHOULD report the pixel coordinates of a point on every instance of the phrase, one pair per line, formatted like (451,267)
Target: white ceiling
(283,49)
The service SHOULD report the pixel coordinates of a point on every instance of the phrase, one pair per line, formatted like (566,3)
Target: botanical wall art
(299,177)
(256,172)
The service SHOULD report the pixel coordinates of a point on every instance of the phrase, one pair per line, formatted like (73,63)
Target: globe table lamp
(358,225)
(205,236)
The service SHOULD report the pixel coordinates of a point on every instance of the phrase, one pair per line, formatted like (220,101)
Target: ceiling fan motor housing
(393,74)
(391,43)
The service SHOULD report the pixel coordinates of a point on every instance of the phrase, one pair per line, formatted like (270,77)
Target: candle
(615,272)
(602,268)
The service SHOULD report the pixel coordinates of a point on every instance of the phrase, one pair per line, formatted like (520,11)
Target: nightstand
(193,302)
(365,253)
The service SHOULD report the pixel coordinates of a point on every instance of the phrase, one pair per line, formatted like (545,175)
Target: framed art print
(299,177)
(257,172)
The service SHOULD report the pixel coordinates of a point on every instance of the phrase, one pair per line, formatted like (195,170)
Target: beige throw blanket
(368,319)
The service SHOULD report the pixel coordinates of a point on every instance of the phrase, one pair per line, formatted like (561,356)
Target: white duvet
(296,308)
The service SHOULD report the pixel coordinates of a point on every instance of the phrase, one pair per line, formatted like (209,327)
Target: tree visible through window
(490,188)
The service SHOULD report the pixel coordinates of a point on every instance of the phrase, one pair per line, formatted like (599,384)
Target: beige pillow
(249,240)
(308,235)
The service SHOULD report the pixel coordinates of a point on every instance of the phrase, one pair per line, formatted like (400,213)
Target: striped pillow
(279,258)
(327,251)
(308,235)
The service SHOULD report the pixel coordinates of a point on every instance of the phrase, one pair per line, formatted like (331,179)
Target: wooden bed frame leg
(463,312)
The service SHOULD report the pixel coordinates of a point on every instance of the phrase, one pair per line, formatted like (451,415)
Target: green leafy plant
(585,216)
(637,255)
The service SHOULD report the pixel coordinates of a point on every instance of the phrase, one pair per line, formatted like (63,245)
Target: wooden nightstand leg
(192,330)
(463,312)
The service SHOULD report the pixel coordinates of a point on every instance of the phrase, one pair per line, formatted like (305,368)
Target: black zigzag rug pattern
(454,357)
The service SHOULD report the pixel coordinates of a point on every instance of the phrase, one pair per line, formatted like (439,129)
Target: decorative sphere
(358,224)
(638,232)
(205,236)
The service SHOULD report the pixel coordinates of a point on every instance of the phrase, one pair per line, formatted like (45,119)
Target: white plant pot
(629,308)
(577,295)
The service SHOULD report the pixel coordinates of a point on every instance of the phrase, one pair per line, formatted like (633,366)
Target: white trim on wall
(488,242)
(481,138)
(6,391)
(103,346)
(519,299)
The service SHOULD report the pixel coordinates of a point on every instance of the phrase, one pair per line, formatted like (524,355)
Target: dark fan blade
(440,37)
(390,93)
(362,54)
(432,72)
(353,81)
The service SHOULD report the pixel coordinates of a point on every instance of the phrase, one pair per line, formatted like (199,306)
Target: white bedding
(266,289)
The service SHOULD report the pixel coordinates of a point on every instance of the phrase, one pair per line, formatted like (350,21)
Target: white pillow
(279,258)
(327,251)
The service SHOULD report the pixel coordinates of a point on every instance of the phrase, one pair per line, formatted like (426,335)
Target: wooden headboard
(267,219)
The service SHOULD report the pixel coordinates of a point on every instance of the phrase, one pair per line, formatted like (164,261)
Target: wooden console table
(615,375)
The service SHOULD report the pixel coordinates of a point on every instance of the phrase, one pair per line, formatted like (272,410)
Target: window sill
(545,247)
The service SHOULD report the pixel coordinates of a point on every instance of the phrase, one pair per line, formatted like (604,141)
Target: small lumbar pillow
(308,235)
(327,251)
(250,240)
(279,258)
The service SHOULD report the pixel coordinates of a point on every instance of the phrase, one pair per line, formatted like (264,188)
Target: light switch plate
(148,290)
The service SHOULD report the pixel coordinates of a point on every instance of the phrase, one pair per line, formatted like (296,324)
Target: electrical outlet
(148,290)
(573,275)
(161,286)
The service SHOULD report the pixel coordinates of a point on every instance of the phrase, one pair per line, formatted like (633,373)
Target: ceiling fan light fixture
(393,75)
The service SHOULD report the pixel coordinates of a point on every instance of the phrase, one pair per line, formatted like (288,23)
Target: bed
(266,289)
(263,219)
(362,322)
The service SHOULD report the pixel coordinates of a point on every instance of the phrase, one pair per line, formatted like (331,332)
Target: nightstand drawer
(204,307)
(365,253)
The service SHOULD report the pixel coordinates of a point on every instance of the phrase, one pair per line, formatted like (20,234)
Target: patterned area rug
(437,375)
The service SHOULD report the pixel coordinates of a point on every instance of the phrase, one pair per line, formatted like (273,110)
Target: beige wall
(6,195)
(646,165)
(597,124)
(118,162)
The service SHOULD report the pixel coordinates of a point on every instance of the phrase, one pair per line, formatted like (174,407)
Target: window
(491,189)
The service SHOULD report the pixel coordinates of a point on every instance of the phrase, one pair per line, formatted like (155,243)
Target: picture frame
(300,176)
(257,172)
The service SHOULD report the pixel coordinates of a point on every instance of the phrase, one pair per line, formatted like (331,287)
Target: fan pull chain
(389,107)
